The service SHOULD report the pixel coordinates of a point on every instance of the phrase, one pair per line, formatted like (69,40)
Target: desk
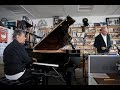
(104,79)
(102,66)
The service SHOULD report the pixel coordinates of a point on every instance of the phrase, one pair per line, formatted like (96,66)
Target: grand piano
(48,50)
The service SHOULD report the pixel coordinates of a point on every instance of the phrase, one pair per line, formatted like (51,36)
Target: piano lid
(58,37)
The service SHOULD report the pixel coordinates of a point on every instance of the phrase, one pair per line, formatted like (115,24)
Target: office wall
(78,20)
(91,19)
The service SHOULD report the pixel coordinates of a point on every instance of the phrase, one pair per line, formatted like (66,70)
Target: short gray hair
(18,32)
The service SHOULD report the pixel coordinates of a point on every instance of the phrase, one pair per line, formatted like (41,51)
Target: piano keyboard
(46,64)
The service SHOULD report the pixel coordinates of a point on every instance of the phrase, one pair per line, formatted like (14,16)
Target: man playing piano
(16,59)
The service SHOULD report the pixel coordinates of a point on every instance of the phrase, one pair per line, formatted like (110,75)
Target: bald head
(104,30)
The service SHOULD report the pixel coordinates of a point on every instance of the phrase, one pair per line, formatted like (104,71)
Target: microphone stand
(117,48)
(84,58)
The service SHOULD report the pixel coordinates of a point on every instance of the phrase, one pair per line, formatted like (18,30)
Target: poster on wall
(55,21)
(3,35)
(42,24)
(9,36)
(113,21)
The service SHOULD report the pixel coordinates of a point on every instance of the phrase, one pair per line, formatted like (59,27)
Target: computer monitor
(103,63)
(11,23)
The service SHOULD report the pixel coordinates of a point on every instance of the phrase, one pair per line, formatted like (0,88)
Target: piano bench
(5,81)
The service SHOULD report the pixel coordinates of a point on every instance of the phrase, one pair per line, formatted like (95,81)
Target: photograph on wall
(3,35)
(74,33)
(115,35)
(113,21)
(55,21)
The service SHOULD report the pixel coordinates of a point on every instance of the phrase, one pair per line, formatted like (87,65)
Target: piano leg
(45,74)
(39,74)
(70,75)
(45,78)
(58,74)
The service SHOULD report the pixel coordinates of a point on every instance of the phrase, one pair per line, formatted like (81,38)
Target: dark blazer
(15,58)
(99,42)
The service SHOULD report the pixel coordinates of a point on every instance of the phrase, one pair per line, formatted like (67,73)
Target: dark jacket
(15,58)
(99,42)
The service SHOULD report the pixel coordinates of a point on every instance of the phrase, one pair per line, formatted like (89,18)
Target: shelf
(97,27)
(34,34)
(30,42)
(113,49)
(115,38)
(87,49)
(88,33)
(25,22)
(113,26)
(75,27)
(92,32)
(118,44)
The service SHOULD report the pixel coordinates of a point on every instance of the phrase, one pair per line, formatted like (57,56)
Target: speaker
(85,22)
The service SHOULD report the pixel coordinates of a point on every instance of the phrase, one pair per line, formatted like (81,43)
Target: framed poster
(113,21)
(3,35)
(74,33)
(55,20)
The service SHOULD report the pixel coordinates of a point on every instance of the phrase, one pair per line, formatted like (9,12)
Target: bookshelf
(90,33)
(77,35)
(35,36)
(114,32)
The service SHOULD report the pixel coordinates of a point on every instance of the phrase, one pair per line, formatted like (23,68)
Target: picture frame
(74,33)
(55,20)
(113,21)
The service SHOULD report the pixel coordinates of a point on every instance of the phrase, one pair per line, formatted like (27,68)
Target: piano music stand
(53,66)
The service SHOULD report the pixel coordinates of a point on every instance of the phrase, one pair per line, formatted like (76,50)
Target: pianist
(16,59)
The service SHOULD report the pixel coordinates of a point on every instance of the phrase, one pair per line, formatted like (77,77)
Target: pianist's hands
(34,59)
(103,48)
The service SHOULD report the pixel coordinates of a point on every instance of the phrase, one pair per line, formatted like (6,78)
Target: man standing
(102,41)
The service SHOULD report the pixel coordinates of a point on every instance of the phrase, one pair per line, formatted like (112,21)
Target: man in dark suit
(16,59)
(102,41)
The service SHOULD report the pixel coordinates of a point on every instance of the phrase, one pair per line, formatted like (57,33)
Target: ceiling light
(85,8)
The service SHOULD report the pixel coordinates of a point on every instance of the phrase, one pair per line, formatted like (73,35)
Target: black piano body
(48,49)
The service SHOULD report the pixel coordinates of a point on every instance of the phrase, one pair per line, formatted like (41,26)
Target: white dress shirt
(104,38)
(14,77)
